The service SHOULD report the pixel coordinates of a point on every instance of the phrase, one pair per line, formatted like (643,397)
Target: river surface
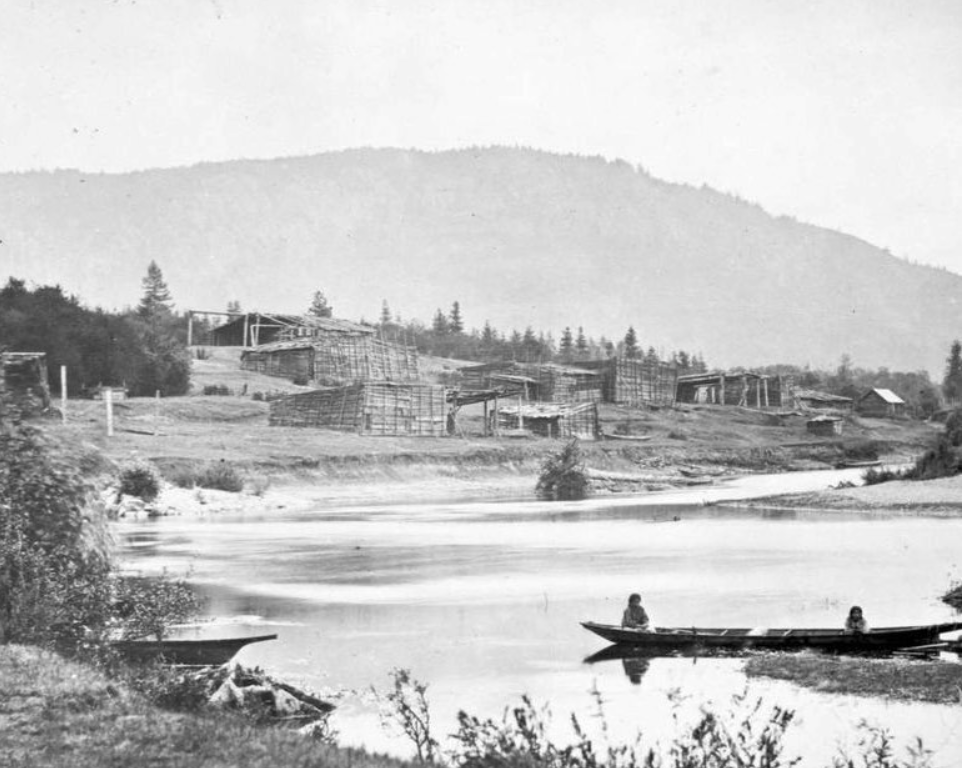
(481,601)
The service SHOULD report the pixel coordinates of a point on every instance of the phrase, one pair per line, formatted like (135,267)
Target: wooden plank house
(564,420)
(367,408)
(539,382)
(881,403)
(334,359)
(253,329)
(751,390)
(632,381)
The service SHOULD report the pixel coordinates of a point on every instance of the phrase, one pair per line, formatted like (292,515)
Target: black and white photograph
(481,383)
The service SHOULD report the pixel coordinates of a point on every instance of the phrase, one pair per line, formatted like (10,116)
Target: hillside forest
(144,348)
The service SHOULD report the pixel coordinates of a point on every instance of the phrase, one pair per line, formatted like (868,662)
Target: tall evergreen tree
(440,323)
(156,299)
(567,345)
(581,344)
(320,306)
(952,383)
(456,324)
(385,313)
(234,308)
(631,342)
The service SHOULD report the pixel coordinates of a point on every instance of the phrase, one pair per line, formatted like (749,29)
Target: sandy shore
(942,496)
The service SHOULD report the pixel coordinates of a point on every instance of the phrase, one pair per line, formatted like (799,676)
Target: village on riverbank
(298,424)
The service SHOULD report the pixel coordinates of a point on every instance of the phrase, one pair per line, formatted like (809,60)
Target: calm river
(482,602)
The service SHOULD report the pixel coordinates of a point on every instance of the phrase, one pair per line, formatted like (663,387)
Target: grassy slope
(55,713)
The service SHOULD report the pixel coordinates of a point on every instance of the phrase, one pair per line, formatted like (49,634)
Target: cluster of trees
(447,337)
(144,349)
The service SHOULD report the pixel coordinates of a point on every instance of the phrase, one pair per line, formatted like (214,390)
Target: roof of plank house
(887,395)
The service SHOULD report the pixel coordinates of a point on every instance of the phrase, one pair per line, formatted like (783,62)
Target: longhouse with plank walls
(540,382)
(751,390)
(367,408)
(632,381)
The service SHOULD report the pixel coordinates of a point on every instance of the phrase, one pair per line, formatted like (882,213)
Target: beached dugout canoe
(836,640)
(206,652)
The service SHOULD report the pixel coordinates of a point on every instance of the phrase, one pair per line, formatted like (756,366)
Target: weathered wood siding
(370,408)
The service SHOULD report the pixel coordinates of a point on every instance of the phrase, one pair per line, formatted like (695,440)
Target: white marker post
(109,401)
(63,393)
(156,412)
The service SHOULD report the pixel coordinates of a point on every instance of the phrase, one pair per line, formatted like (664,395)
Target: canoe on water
(206,652)
(836,640)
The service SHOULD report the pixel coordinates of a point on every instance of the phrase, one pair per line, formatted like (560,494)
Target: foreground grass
(55,714)
(905,679)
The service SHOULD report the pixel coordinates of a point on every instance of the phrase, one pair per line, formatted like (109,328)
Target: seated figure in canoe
(856,624)
(635,616)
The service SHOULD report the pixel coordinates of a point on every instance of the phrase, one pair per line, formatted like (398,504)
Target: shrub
(301,381)
(563,476)
(873,476)
(139,478)
(221,476)
(217,389)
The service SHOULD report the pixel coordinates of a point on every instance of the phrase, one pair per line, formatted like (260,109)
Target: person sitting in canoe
(855,624)
(635,616)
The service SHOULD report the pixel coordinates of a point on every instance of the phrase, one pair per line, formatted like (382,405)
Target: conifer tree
(581,344)
(631,343)
(385,313)
(319,306)
(952,383)
(440,323)
(567,345)
(156,299)
(234,308)
(455,322)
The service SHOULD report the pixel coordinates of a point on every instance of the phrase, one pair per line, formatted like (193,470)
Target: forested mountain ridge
(518,237)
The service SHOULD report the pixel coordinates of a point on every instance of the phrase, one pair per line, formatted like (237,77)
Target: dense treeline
(447,337)
(144,349)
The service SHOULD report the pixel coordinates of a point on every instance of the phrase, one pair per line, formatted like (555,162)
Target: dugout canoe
(835,640)
(203,652)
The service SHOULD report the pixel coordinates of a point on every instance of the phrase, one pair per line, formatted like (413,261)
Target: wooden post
(63,393)
(156,412)
(765,381)
(520,413)
(190,328)
(246,318)
(497,427)
(108,394)
(485,421)
(722,380)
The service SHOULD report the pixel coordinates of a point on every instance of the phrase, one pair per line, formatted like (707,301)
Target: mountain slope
(516,236)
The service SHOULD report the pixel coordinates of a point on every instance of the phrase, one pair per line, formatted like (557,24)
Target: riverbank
(670,448)
(58,714)
(942,496)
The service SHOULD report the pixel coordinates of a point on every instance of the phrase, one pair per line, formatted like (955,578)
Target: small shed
(367,408)
(825,426)
(881,403)
(552,419)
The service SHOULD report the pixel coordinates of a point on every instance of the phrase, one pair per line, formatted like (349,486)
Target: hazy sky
(843,113)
